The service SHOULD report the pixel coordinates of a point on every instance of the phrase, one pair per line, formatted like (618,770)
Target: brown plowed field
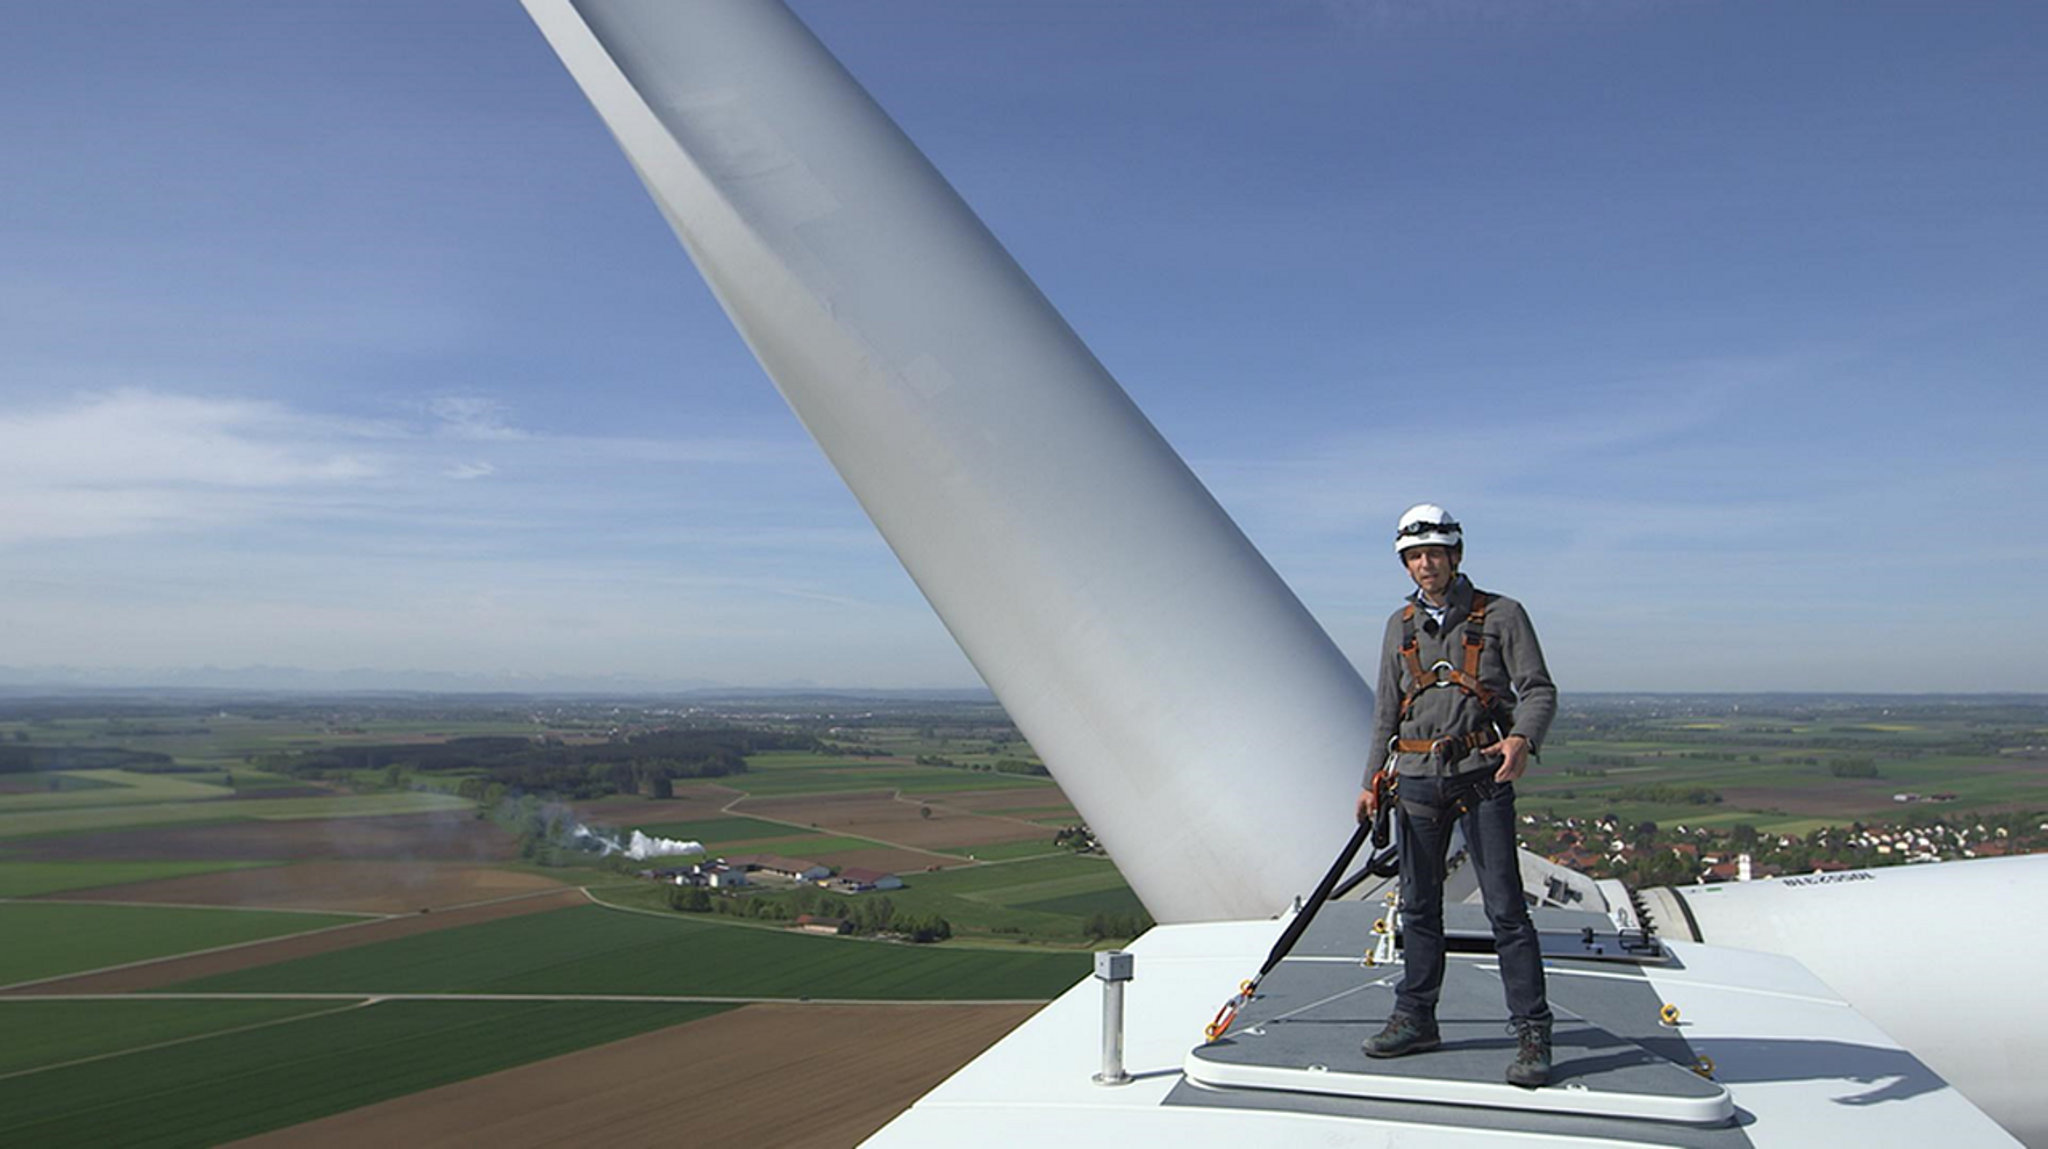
(873,816)
(171,971)
(1044,803)
(448,836)
(1872,798)
(790,1076)
(361,887)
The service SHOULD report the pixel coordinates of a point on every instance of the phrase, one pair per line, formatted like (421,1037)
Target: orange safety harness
(1444,674)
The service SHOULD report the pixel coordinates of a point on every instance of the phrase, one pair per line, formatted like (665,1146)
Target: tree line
(19,759)
(1002,766)
(867,915)
(643,763)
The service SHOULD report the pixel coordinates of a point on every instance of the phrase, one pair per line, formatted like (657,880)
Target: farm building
(713,874)
(859,879)
(777,866)
(815,924)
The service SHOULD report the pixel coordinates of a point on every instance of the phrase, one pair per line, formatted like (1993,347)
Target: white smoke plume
(639,847)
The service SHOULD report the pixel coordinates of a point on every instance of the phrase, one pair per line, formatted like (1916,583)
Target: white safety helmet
(1427,525)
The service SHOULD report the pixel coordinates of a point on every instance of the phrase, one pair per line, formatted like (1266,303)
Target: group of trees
(543,827)
(1080,838)
(866,915)
(1102,924)
(1670,795)
(843,750)
(1001,766)
(644,763)
(20,759)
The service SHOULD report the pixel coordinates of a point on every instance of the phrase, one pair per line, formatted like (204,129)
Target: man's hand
(1378,789)
(1513,752)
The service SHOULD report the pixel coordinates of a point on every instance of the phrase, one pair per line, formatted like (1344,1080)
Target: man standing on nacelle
(1464,700)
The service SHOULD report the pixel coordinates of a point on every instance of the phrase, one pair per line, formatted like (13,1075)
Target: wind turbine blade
(1201,721)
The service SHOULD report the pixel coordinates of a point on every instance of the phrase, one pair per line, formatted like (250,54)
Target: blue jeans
(1428,805)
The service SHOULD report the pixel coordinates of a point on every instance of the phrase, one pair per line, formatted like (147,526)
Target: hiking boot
(1404,1034)
(1531,1066)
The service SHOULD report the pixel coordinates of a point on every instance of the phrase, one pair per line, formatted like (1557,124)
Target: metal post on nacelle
(1113,968)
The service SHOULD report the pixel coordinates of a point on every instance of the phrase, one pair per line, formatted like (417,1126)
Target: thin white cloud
(138,437)
(474,418)
(133,460)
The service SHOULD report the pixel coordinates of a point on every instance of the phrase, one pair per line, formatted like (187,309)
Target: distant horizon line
(58,689)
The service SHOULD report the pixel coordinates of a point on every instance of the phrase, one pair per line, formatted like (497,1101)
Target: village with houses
(1647,854)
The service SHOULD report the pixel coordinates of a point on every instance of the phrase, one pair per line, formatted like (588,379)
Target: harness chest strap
(1466,679)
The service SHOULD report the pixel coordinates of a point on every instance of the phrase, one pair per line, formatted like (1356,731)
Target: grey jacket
(1511,666)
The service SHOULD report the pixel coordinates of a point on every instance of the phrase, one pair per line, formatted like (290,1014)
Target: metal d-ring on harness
(1454,748)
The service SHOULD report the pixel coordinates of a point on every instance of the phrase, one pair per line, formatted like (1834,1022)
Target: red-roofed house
(1721,872)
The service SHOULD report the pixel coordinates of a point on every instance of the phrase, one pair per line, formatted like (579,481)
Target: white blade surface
(1201,721)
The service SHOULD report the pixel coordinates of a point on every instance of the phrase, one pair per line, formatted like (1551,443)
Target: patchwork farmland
(241,940)
(257,952)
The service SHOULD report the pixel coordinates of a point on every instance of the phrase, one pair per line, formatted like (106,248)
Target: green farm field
(1014,883)
(48,1032)
(1057,813)
(28,879)
(235,1084)
(1006,851)
(24,824)
(718,831)
(230,742)
(42,781)
(1777,796)
(1120,901)
(113,788)
(45,939)
(592,949)
(156,1068)
(777,760)
(1005,900)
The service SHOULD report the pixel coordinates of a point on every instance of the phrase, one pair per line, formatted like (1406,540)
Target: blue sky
(341,336)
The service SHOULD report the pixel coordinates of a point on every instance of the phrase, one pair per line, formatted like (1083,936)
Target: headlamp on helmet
(1427,525)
